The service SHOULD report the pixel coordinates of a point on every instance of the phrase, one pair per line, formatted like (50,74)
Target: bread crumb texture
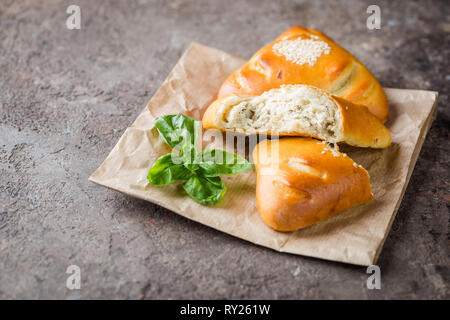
(302,51)
(290,108)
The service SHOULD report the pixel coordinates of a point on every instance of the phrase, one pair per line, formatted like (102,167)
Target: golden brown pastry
(298,110)
(307,56)
(301,181)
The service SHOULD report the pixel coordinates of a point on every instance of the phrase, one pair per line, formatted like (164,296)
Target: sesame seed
(302,51)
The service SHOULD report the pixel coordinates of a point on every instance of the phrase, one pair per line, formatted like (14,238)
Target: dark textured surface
(66,96)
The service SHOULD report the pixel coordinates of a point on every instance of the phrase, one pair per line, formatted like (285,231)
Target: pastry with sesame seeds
(307,56)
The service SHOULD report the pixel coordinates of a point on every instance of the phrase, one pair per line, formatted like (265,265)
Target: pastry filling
(295,109)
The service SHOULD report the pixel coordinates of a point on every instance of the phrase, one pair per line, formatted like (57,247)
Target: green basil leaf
(205,190)
(188,153)
(191,166)
(178,130)
(214,163)
(167,169)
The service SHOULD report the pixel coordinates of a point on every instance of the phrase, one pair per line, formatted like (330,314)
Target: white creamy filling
(291,108)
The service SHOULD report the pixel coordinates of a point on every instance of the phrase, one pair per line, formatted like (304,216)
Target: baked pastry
(298,110)
(307,56)
(301,181)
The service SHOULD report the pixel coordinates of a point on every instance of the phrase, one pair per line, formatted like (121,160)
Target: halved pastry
(298,110)
(301,181)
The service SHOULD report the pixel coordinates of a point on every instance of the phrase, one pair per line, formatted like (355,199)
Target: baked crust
(298,184)
(337,72)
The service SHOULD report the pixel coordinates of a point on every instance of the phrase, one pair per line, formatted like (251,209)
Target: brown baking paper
(355,236)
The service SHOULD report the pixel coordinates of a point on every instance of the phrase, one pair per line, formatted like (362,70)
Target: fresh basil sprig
(201,171)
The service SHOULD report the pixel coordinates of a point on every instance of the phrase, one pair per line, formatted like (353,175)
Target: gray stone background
(66,96)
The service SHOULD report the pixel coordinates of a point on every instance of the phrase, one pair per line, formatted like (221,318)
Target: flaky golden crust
(298,184)
(338,72)
(210,118)
(360,128)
